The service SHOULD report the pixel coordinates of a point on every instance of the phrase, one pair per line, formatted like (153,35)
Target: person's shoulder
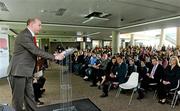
(159,65)
(25,33)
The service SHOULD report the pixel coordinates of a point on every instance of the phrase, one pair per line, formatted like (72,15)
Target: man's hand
(166,82)
(112,75)
(59,56)
(148,74)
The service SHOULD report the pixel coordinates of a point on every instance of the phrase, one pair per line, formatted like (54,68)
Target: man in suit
(22,65)
(121,69)
(153,76)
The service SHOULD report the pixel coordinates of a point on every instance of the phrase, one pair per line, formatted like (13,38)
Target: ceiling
(66,17)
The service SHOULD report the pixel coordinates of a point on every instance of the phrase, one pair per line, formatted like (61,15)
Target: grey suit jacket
(24,56)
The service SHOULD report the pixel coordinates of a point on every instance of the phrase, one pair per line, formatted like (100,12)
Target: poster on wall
(4,51)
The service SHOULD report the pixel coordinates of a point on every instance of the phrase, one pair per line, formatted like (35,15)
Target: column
(100,43)
(162,38)
(132,40)
(83,45)
(115,42)
(178,38)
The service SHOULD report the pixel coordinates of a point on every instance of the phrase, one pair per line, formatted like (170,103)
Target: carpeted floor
(81,89)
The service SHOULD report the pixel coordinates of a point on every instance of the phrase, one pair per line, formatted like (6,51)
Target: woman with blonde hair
(169,79)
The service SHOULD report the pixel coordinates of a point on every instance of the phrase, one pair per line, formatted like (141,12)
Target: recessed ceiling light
(42,11)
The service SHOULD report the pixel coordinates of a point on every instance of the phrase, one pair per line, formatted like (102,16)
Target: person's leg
(105,89)
(36,91)
(17,85)
(145,83)
(94,77)
(29,100)
(41,81)
(160,91)
(100,74)
(143,87)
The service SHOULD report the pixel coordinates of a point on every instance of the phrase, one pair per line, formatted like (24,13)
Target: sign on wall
(4,50)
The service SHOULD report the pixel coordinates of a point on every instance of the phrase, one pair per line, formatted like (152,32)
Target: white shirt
(32,33)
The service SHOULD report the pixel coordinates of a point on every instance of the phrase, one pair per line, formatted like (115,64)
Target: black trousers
(37,88)
(163,90)
(107,83)
(96,75)
(146,81)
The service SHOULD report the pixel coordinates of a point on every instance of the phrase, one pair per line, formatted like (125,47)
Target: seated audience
(142,70)
(110,70)
(99,70)
(169,79)
(153,76)
(131,67)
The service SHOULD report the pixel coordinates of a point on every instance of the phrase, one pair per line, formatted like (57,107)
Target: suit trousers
(22,92)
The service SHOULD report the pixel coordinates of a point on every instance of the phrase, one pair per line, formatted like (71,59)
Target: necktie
(34,38)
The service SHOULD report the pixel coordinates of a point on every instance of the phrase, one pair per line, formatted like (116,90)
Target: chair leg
(155,94)
(109,86)
(174,97)
(175,101)
(131,96)
(118,92)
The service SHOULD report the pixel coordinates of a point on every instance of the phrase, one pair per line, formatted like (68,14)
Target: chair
(132,83)
(176,98)
(112,83)
(155,91)
(175,91)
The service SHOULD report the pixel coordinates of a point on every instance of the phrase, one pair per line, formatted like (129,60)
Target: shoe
(85,77)
(104,95)
(139,97)
(163,101)
(99,87)
(42,91)
(39,102)
(160,101)
(141,94)
(92,85)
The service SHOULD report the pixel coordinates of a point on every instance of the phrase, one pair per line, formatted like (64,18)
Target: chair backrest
(133,79)
(177,87)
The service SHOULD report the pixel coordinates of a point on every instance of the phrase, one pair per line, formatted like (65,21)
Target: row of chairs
(133,83)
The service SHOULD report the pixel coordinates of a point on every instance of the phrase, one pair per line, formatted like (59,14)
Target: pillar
(100,43)
(83,45)
(178,38)
(162,38)
(132,40)
(115,42)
